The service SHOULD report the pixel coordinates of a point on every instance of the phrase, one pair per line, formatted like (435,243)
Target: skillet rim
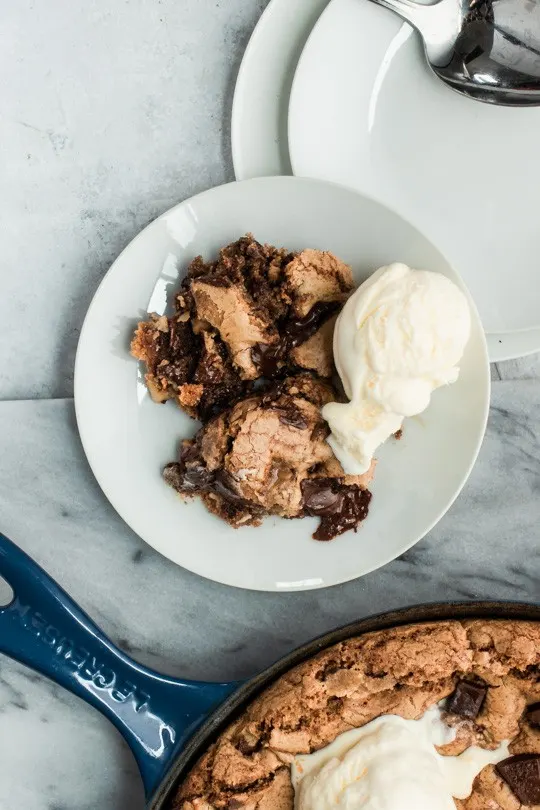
(248,691)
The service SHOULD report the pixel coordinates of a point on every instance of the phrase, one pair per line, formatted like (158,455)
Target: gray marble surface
(487,546)
(113,112)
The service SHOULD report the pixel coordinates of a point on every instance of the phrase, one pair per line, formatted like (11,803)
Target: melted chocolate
(339,506)
(321,497)
(271,358)
(222,386)
(298,330)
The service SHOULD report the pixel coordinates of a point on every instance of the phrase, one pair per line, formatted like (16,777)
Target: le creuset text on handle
(44,629)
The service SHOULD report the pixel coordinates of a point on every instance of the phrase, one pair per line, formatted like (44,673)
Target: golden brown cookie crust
(400,671)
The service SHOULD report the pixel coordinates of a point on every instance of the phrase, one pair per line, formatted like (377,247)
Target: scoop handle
(44,629)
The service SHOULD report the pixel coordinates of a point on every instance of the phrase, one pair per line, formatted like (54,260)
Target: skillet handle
(44,629)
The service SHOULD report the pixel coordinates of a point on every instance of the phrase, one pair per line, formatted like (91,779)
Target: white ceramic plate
(261,98)
(366,111)
(128,438)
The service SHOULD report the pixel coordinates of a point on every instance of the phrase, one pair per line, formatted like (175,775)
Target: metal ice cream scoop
(486,49)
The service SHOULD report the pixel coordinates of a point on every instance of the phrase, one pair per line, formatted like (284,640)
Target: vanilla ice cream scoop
(390,764)
(400,336)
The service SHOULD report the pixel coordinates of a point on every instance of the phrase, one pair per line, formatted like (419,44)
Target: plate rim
(239,89)
(82,424)
(274,9)
(502,346)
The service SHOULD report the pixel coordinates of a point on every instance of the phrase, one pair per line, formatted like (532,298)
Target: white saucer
(366,111)
(261,98)
(128,438)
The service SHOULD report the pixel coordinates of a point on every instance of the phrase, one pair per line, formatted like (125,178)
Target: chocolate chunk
(190,474)
(173,475)
(398,434)
(196,477)
(177,352)
(340,507)
(467,699)
(321,497)
(533,715)
(223,484)
(321,431)
(522,774)
(292,417)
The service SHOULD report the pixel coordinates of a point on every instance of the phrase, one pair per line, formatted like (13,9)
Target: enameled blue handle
(44,629)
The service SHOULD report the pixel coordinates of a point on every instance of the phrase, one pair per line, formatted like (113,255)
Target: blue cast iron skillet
(167,723)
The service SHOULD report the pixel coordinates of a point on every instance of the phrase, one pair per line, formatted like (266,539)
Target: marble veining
(487,546)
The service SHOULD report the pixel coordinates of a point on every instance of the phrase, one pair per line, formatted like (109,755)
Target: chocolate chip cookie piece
(257,311)
(404,671)
(190,366)
(266,455)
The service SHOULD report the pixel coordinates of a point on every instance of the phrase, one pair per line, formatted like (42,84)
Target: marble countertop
(113,113)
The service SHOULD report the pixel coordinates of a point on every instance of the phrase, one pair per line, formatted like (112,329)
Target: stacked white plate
(341,91)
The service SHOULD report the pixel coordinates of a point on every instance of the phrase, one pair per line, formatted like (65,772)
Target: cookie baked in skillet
(484,674)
